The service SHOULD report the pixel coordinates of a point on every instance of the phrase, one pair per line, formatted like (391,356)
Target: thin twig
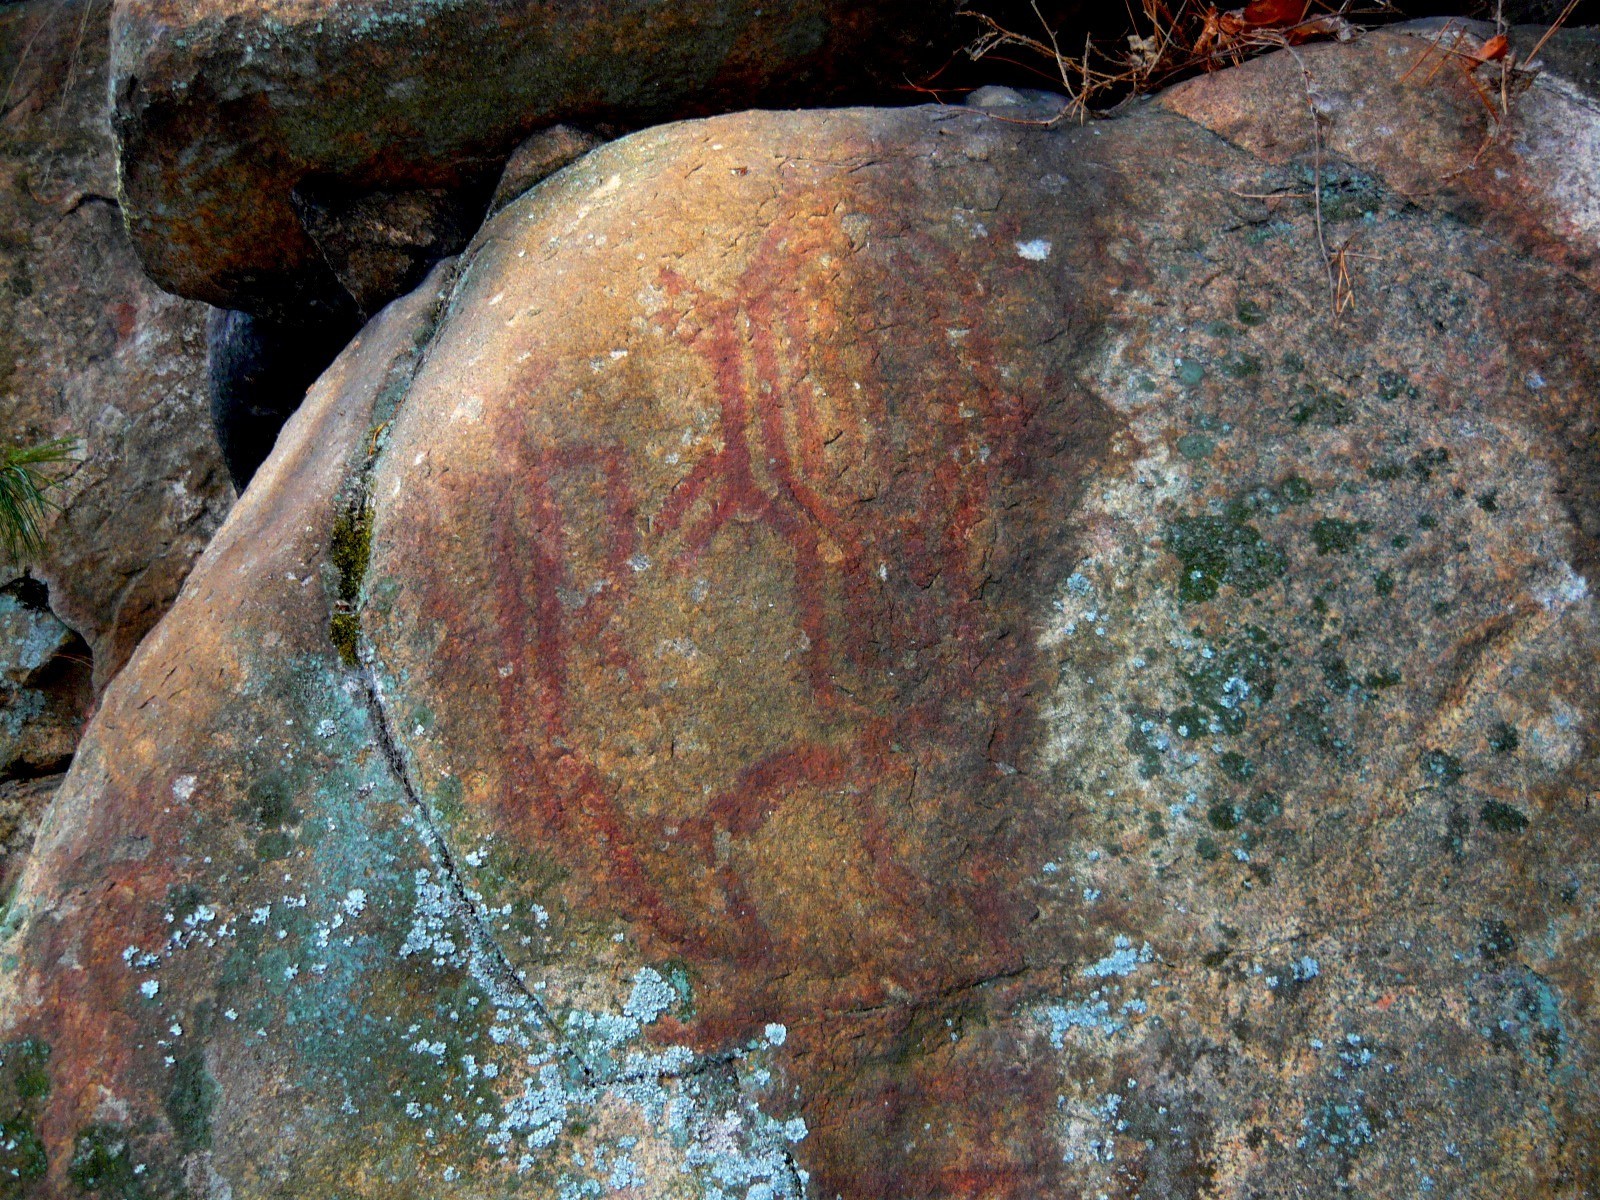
(22,61)
(1316,176)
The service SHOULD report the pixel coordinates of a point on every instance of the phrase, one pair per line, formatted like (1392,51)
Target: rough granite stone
(886,653)
(225,109)
(45,689)
(90,349)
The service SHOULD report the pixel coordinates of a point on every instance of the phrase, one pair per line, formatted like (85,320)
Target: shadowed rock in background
(225,109)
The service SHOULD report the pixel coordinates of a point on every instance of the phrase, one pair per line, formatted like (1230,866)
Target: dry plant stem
(1515,77)
(1055,49)
(61,107)
(1316,183)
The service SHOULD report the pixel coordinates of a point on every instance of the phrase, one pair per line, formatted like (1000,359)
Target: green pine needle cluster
(25,486)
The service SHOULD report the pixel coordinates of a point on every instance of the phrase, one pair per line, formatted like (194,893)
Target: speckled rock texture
(89,349)
(886,653)
(237,118)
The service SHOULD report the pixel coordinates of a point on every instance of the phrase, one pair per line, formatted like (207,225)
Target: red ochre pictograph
(890,489)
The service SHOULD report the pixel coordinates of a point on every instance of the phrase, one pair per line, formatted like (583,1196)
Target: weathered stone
(381,244)
(90,349)
(897,649)
(539,157)
(225,109)
(45,688)
(22,802)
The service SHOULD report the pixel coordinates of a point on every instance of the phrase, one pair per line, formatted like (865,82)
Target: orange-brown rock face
(89,350)
(879,653)
(252,134)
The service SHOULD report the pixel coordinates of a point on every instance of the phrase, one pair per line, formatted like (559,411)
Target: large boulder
(283,158)
(887,653)
(89,349)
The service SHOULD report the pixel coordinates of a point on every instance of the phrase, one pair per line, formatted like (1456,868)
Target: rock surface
(88,349)
(887,653)
(229,111)
(45,688)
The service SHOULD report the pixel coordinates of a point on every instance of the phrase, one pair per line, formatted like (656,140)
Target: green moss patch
(350,552)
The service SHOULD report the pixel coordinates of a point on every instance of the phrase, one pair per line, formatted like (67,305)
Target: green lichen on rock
(1145,740)
(24,1085)
(1442,768)
(190,1099)
(1322,408)
(1331,535)
(1224,684)
(1502,818)
(1224,816)
(24,1071)
(22,1156)
(102,1164)
(1221,550)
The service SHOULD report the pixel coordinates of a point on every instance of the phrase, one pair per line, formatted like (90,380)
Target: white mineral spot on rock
(183,786)
(1035,251)
(777,1034)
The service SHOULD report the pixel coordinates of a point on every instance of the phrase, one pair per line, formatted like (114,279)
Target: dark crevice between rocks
(46,684)
(259,371)
(379,244)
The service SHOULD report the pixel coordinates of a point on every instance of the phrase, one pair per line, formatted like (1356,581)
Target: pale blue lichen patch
(652,995)
(1123,959)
